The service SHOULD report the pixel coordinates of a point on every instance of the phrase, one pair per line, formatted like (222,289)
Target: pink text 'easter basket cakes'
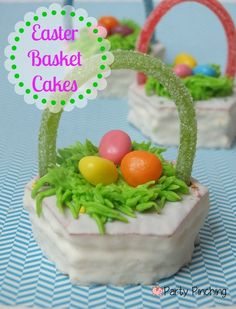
(118,213)
(153,111)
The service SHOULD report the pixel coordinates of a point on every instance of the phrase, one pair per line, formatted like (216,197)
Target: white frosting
(157,118)
(146,249)
(119,81)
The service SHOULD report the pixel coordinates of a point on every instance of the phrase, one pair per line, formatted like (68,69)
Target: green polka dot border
(34,19)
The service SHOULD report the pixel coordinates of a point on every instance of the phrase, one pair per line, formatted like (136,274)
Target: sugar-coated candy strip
(151,66)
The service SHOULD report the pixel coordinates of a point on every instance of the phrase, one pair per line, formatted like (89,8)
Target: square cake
(157,118)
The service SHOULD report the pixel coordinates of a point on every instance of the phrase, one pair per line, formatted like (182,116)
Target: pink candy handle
(166,5)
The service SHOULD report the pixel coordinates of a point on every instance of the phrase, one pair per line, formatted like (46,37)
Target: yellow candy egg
(185,59)
(98,170)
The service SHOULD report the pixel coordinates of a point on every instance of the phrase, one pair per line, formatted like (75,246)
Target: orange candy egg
(139,167)
(108,22)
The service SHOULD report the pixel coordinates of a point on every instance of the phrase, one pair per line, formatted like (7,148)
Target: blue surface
(26,276)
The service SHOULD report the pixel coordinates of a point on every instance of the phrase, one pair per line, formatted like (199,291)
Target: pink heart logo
(157,290)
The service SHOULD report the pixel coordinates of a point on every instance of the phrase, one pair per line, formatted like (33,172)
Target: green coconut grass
(104,203)
(125,42)
(117,41)
(200,87)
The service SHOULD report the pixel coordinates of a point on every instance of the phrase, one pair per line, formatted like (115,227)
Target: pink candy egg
(115,145)
(182,70)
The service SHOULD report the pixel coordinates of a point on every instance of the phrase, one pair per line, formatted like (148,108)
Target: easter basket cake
(123,35)
(118,213)
(214,95)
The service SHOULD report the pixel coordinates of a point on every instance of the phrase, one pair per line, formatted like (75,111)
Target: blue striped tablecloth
(28,279)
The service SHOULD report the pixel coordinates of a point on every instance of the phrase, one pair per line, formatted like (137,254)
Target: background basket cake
(155,114)
(123,35)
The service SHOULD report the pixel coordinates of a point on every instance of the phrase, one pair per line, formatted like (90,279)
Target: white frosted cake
(157,118)
(118,212)
(148,248)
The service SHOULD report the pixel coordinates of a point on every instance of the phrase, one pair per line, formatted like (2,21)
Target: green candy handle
(47,141)
(150,66)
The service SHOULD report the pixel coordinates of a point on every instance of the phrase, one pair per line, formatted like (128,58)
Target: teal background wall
(189,27)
